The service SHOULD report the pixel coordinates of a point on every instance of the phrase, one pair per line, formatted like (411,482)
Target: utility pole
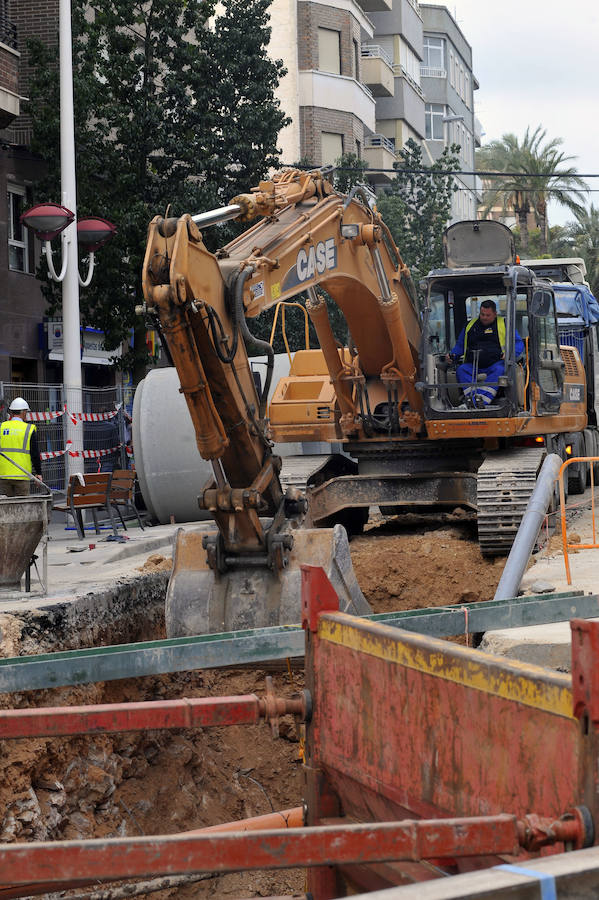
(71,325)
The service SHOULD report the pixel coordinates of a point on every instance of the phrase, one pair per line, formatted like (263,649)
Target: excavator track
(505,482)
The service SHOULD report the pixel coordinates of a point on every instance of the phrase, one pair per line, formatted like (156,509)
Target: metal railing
(566,545)
(374,51)
(399,71)
(51,404)
(8,32)
(415,6)
(379,140)
(432,72)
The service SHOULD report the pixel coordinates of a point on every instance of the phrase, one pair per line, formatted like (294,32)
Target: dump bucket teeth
(198,601)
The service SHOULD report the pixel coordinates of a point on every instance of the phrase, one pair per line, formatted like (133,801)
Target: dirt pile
(156,563)
(433,566)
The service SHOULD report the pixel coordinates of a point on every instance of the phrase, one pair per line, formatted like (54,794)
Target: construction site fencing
(591,462)
(85,428)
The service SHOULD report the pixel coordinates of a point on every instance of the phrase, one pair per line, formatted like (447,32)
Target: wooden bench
(121,494)
(90,491)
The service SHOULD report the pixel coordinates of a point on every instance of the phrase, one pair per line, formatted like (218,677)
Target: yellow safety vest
(15,441)
(500,333)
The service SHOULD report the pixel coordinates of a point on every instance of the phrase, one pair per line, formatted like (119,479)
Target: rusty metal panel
(172,854)
(432,728)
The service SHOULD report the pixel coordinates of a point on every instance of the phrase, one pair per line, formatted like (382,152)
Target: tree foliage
(349,170)
(536,172)
(417,206)
(174,106)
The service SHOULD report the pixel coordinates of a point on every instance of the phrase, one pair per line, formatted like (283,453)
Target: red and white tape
(74,417)
(43,416)
(85,454)
(94,454)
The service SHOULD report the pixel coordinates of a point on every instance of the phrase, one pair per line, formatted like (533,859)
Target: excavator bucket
(200,601)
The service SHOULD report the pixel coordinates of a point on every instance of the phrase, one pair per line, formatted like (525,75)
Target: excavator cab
(460,383)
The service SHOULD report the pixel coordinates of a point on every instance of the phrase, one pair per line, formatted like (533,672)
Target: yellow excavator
(389,396)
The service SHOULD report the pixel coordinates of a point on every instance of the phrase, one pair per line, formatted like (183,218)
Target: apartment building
(331,108)
(21,301)
(449,83)
(400,113)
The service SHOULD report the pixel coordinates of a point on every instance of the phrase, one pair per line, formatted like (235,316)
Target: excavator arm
(308,236)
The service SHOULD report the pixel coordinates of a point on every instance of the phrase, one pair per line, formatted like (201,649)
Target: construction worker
(18,443)
(482,345)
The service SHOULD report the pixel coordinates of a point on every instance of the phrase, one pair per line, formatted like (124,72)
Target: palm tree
(584,234)
(546,177)
(506,155)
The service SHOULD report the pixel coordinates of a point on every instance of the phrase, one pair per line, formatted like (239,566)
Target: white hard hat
(18,404)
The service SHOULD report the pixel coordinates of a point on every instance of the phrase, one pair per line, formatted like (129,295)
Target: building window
(409,62)
(461,88)
(467,90)
(331,147)
(18,248)
(433,56)
(359,149)
(356,60)
(451,72)
(433,120)
(329,51)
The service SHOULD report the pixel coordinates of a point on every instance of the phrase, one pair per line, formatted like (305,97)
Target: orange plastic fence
(562,499)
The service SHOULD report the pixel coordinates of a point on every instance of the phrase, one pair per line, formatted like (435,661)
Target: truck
(577,322)
(387,395)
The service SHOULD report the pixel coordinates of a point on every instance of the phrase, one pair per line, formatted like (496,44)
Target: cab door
(546,361)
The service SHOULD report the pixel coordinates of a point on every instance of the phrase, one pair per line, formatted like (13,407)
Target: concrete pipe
(170,470)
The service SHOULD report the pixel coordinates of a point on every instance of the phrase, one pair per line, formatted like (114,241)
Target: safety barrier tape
(85,454)
(47,416)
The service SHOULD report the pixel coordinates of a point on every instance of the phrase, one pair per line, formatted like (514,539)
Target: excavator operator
(482,345)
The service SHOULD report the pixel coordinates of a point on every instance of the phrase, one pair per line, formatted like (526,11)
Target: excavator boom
(309,235)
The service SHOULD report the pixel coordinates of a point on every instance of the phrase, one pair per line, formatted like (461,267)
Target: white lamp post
(49,219)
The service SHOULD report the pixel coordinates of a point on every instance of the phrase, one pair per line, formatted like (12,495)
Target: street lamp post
(49,220)
(71,376)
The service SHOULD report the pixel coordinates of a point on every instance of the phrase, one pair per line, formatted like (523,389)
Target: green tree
(174,107)
(583,237)
(349,170)
(536,172)
(417,206)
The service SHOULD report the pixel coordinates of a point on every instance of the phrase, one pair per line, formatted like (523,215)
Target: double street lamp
(48,220)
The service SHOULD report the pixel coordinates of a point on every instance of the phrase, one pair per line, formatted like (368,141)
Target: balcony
(370,6)
(415,6)
(478,132)
(9,71)
(8,32)
(429,72)
(379,153)
(339,92)
(377,70)
(400,72)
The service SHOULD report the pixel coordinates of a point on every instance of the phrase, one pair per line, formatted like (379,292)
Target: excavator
(389,396)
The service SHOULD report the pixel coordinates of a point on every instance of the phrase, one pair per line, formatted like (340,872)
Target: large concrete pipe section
(170,470)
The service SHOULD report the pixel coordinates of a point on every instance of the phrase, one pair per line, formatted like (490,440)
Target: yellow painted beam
(523,683)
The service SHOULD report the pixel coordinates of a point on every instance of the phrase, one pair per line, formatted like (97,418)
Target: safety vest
(500,333)
(15,441)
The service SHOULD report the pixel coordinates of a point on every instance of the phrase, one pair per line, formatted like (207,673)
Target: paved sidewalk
(77,568)
(550,645)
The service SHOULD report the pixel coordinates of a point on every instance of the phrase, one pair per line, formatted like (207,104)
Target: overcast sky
(537,63)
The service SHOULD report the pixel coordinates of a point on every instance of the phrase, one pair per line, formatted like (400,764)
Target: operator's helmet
(18,405)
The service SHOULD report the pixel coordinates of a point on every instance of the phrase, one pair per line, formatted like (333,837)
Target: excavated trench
(164,782)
